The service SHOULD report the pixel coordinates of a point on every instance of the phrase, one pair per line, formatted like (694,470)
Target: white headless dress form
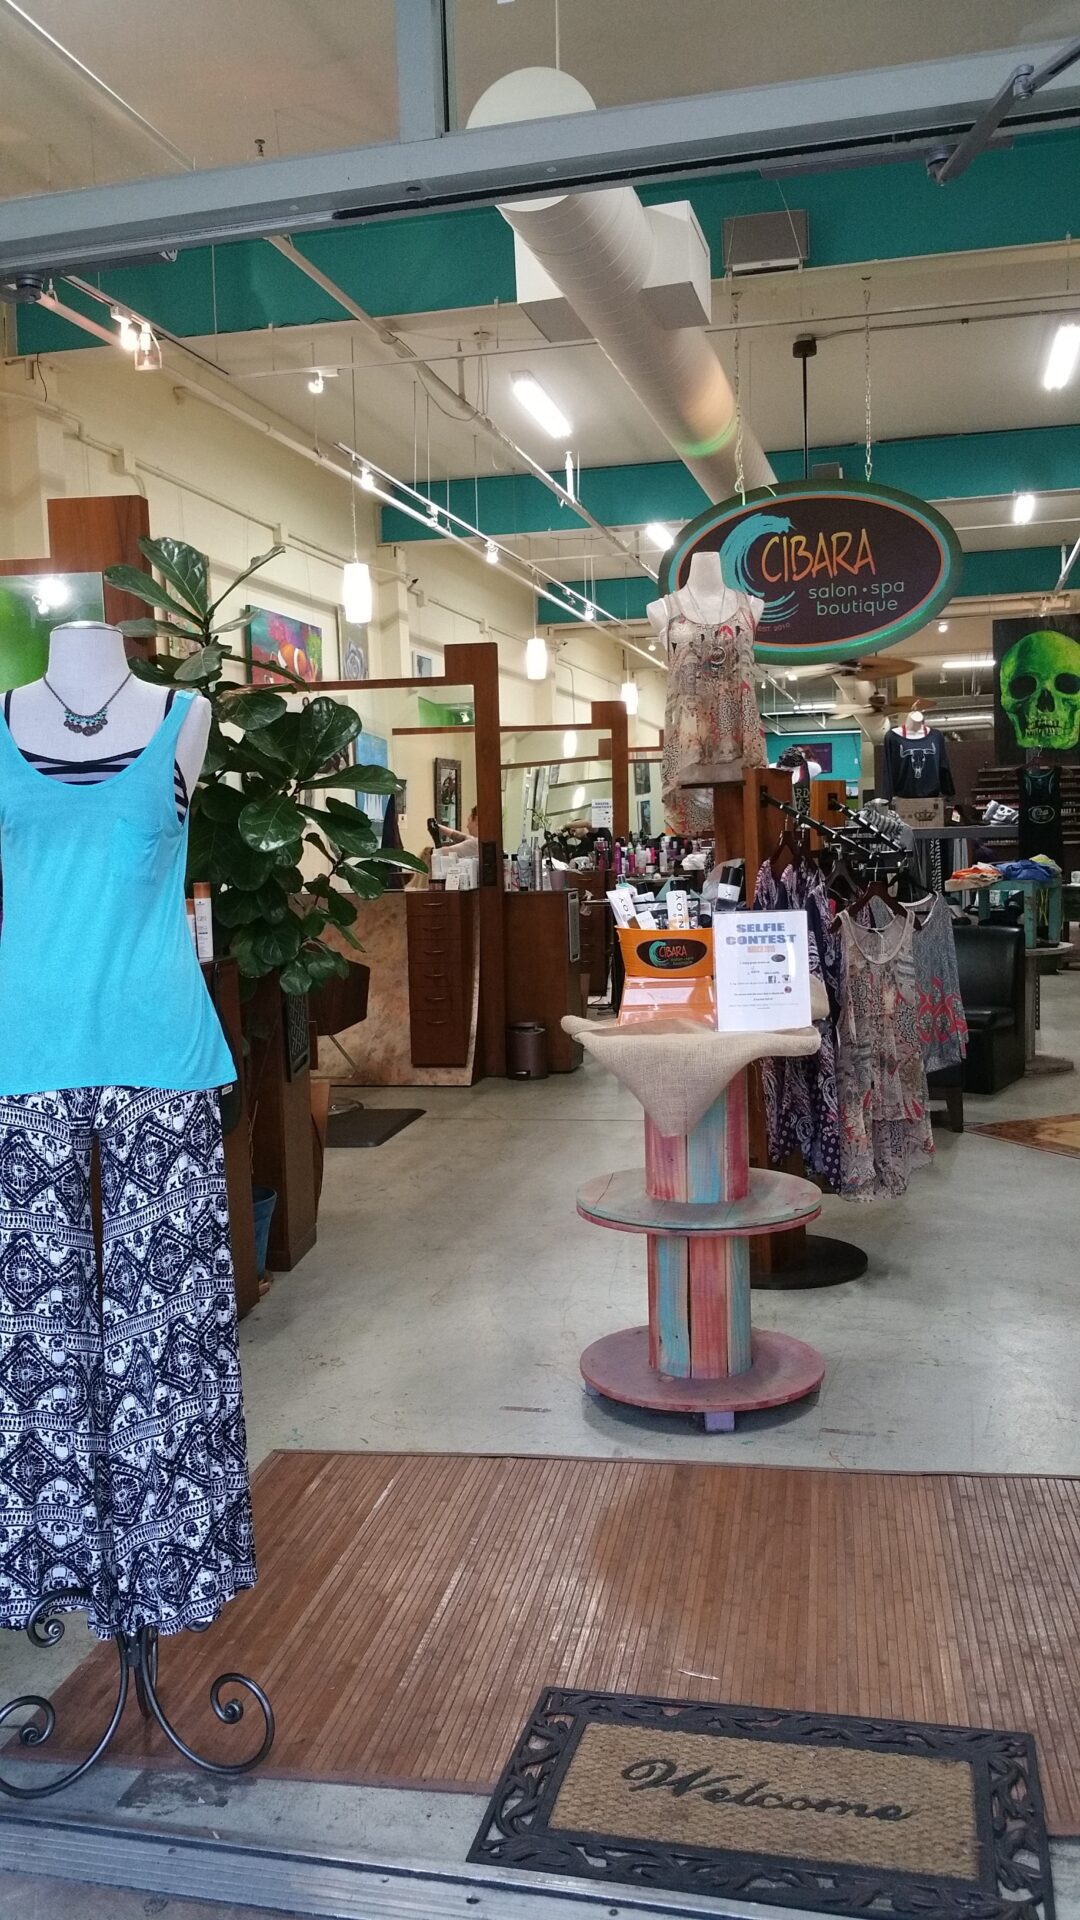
(87,664)
(712,726)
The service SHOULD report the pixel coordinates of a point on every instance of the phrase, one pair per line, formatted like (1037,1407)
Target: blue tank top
(99,981)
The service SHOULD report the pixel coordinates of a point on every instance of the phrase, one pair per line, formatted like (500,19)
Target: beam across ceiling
(1006,570)
(1019,196)
(963,466)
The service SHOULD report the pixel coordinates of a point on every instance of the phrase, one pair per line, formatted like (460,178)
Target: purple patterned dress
(801,1109)
(881,1078)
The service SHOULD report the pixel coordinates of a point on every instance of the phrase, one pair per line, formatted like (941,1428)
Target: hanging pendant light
(569,744)
(357,597)
(536,658)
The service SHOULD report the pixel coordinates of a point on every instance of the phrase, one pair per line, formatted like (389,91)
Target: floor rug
(369,1126)
(1055,1133)
(833,1813)
(411,1607)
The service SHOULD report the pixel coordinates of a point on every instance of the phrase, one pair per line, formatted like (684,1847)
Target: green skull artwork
(1040,690)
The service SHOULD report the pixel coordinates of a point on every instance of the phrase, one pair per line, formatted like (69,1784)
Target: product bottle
(524,865)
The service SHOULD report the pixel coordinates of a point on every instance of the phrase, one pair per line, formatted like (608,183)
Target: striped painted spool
(712,1162)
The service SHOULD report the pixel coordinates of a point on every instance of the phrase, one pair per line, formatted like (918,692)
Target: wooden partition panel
(478,661)
(86,535)
(613,714)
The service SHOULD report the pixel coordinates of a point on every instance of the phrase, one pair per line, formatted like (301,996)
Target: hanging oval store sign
(843,568)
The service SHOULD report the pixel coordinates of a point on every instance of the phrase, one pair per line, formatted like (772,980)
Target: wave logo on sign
(672,955)
(735,563)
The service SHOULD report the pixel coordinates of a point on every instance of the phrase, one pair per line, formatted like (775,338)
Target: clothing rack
(836,836)
(138,1657)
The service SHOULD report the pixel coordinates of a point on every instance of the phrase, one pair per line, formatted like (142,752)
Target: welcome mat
(369,1126)
(1055,1133)
(791,1809)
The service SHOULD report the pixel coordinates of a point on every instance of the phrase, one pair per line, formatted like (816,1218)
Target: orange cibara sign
(667,974)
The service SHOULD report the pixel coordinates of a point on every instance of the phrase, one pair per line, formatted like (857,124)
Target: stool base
(784,1369)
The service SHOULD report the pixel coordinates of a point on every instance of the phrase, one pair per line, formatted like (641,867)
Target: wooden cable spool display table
(699,1203)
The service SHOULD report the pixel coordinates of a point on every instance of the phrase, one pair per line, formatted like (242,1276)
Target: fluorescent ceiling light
(590,610)
(659,535)
(316,383)
(367,479)
(967,662)
(802,706)
(491,553)
(570,483)
(356,594)
(577,798)
(969,719)
(536,658)
(628,695)
(536,400)
(569,744)
(1023,509)
(1062,357)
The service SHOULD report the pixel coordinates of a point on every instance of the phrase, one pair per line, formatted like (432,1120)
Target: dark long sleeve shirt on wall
(916,769)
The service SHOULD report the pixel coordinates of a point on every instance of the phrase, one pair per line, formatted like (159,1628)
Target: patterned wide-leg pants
(123,1469)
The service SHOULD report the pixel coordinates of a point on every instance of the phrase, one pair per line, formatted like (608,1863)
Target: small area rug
(1055,1133)
(412,1606)
(369,1126)
(838,1814)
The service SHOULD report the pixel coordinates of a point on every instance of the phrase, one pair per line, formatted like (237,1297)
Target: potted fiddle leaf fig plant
(263,804)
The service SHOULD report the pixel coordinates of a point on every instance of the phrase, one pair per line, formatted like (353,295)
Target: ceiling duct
(611,262)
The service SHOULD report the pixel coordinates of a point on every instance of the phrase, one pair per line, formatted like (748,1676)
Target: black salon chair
(990,961)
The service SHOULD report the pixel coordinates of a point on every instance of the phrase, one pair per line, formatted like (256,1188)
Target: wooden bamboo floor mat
(1054,1133)
(411,1607)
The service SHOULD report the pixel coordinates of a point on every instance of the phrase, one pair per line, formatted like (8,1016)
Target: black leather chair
(990,961)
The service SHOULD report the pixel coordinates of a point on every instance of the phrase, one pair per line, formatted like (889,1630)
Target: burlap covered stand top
(676,1068)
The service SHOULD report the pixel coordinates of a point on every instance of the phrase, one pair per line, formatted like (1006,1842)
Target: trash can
(527,1050)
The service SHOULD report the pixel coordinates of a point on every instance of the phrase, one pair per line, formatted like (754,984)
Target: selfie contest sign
(843,568)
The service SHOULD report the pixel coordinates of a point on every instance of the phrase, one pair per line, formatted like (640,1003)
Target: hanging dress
(711,720)
(942,1021)
(800,1094)
(881,1079)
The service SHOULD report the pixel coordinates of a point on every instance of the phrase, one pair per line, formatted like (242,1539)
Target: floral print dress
(712,719)
(800,1094)
(881,1077)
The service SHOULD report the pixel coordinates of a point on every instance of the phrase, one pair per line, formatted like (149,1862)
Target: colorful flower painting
(275,639)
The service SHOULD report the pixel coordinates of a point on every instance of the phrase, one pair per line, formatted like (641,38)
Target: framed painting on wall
(371,750)
(276,639)
(642,777)
(423,666)
(31,605)
(448,793)
(352,649)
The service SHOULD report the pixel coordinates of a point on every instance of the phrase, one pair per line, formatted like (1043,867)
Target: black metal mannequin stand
(138,1655)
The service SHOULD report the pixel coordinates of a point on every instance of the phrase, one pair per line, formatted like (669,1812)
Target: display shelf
(774,1201)
(700,1204)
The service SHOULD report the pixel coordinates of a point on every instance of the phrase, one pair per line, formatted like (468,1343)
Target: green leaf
(203,666)
(242,949)
(361,780)
(237,864)
(252,712)
(289,878)
(231,626)
(276,946)
(340,910)
(326,728)
(270,824)
(394,857)
(149,629)
(219,802)
(289,857)
(142,586)
(185,569)
(160,673)
(239,908)
(260,560)
(355,835)
(367,885)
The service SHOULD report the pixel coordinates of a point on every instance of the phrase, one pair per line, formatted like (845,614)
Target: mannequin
(916,760)
(712,727)
(123,1473)
(87,664)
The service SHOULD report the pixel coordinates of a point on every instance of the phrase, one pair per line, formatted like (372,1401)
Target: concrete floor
(453,1287)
